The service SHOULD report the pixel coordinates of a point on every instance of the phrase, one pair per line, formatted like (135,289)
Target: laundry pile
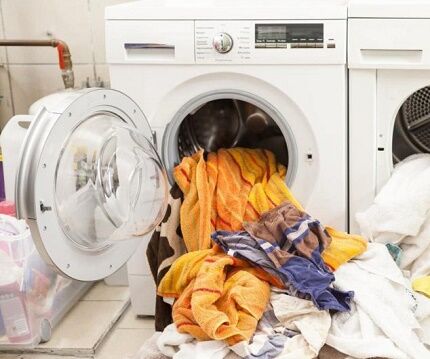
(250,274)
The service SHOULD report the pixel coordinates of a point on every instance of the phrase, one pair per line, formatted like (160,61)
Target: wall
(26,74)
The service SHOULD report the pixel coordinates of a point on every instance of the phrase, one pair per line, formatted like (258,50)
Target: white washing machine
(276,68)
(389,92)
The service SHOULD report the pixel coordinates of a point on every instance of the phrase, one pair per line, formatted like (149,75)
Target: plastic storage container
(32,297)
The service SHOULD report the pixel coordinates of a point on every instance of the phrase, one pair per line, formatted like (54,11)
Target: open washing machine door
(90,183)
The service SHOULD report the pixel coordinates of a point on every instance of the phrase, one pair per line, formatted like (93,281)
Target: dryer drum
(412,126)
(416,118)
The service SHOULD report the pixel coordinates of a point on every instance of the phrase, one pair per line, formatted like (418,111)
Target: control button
(282,45)
(295,45)
(319,45)
(270,45)
(222,42)
(311,45)
(260,46)
(303,45)
(331,45)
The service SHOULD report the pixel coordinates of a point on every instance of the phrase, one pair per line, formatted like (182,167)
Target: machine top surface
(385,9)
(228,10)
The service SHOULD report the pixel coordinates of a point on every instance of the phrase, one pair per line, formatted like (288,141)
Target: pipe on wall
(64,56)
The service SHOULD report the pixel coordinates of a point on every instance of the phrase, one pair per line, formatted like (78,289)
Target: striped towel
(288,243)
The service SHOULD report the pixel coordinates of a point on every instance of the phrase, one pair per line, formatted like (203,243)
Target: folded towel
(218,297)
(287,243)
(231,186)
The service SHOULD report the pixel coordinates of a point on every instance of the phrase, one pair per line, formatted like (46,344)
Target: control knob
(222,42)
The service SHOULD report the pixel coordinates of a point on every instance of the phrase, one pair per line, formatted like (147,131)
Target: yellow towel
(343,247)
(219,297)
(422,285)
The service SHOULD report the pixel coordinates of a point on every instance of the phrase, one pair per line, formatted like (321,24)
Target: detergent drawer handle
(144,45)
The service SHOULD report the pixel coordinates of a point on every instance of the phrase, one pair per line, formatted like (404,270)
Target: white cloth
(183,346)
(291,328)
(149,349)
(400,214)
(381,322)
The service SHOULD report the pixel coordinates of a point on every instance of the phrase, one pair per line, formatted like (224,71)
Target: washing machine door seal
(90,183)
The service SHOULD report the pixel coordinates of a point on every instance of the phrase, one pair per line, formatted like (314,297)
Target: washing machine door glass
(91,184)
(109,183)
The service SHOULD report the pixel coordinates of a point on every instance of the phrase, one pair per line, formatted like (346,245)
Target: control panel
(275,41)
(289,35)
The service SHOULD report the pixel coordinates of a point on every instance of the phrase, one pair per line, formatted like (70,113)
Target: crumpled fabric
(288,243)
(400,214)
(172,344)
(237,185)
(218,297)
(229,187)
(290,328)
(150,350)
(422,285)
(382,320)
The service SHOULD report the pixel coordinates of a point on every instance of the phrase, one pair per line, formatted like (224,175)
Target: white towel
(183,346)
(402,205)
(381,322)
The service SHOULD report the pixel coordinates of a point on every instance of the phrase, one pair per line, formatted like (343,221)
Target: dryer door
(90,183)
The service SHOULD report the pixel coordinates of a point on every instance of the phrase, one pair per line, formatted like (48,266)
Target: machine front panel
(272,42)
(258,42)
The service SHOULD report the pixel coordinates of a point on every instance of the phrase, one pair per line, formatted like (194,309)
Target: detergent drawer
(150,42)
(389,43)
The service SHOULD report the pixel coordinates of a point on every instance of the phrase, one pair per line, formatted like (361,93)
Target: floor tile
(131,321)
(101,291)
(83,329)
(123,343)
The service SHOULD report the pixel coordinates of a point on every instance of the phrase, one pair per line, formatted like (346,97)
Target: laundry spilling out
(244,272)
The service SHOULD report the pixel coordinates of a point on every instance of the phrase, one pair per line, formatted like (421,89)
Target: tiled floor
(100,326)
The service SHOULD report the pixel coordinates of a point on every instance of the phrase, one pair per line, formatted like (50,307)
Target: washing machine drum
(90,183)
(226,123)
(412,127)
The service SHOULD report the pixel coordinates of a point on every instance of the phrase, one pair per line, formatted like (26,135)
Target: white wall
(26,74)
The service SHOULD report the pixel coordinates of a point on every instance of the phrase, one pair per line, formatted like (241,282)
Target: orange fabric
(230,187)
(219,297)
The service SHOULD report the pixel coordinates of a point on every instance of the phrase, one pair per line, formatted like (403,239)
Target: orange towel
(236,185)
(219,297)
(230,187)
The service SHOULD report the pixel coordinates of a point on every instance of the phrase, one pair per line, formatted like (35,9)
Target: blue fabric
(309,276)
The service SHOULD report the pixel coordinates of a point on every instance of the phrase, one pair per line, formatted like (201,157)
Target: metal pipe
(64,56)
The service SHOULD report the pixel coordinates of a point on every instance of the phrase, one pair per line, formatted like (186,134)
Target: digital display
(267,33)
(289,33)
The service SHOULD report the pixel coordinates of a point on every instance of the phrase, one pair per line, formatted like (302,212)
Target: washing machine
(389,92)
(211,74)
